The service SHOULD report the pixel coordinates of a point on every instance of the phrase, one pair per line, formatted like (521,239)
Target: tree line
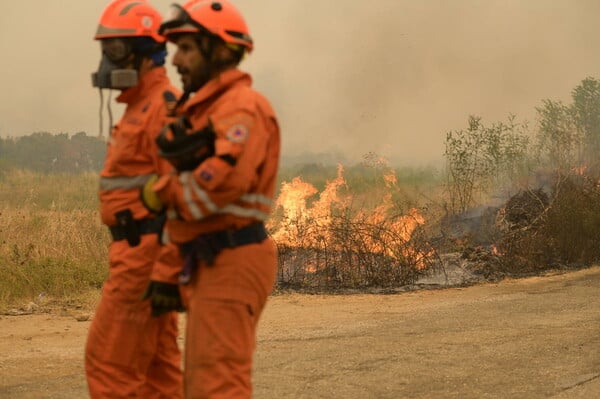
(53,153)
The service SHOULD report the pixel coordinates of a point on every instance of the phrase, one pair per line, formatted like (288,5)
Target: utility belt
(207,246)
(127,228)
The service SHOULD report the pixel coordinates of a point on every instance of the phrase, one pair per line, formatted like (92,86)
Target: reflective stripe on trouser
(129,353)
(224,305)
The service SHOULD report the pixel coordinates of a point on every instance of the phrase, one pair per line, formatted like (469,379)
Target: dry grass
(52,243)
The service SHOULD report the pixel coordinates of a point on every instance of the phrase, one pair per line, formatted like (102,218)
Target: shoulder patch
(235,128)
(237,133)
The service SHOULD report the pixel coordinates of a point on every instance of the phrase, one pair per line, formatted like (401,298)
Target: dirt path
(531,338)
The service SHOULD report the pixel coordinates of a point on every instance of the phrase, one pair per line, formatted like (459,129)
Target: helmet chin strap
(184,97)
(207,52)
(137,61)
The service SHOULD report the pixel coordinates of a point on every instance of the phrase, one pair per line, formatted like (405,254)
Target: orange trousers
(224,304)
(129,353)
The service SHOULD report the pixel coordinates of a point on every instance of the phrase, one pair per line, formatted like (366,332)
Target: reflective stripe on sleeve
(192,189)
(123,182)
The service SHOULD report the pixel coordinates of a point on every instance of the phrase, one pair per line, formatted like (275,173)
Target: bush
(553,230)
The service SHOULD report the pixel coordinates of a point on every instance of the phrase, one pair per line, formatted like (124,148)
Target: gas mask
(113,71)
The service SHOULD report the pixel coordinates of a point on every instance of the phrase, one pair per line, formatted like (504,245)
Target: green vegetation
(482,158)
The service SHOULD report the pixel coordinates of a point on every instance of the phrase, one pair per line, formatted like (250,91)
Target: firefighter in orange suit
(131,353)
(225,148)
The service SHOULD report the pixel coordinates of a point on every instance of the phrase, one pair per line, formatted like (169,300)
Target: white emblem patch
(147,21)
(237,133)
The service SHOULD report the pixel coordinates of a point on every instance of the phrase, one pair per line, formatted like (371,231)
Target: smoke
(394,76)
(389,76)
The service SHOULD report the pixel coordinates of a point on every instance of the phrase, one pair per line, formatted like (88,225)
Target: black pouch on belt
(128,225)
(206,247)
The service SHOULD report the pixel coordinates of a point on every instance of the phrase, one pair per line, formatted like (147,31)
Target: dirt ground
(531,338)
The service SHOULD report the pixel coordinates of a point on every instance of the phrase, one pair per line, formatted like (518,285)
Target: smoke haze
(389,76)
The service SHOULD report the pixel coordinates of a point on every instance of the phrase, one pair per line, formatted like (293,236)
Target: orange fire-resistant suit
(225,299)
(129,353)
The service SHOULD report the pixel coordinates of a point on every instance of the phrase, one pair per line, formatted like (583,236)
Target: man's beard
(196,79)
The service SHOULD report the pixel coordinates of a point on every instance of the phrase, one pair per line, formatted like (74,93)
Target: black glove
(184,147)
(164,297)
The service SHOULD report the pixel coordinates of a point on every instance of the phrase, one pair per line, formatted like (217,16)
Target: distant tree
(90,151)
(557,139)
(586,113)
(568,135)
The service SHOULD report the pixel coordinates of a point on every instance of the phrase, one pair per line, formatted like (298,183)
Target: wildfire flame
(306,225)
(293,198)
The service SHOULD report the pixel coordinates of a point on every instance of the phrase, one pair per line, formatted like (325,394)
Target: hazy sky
(390,76)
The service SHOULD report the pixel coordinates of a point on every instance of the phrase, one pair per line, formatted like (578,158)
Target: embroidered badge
(147,21)
(206,175)
(237,133)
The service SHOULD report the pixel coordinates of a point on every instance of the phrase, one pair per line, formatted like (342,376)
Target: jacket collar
(216,86)
(146,82)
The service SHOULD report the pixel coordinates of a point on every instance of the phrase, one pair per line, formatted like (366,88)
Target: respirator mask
(113,71)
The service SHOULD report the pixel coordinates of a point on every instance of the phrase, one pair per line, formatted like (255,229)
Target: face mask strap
(101,113)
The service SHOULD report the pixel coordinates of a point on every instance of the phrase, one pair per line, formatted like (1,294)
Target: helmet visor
(116,50)
(178,17)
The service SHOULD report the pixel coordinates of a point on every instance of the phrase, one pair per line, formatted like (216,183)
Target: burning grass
(331,243)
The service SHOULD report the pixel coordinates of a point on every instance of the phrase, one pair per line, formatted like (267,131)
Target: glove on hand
(149,198)
(164,297)
(184,147)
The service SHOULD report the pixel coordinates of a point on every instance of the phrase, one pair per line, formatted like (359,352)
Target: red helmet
(220,18)
(129,18)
